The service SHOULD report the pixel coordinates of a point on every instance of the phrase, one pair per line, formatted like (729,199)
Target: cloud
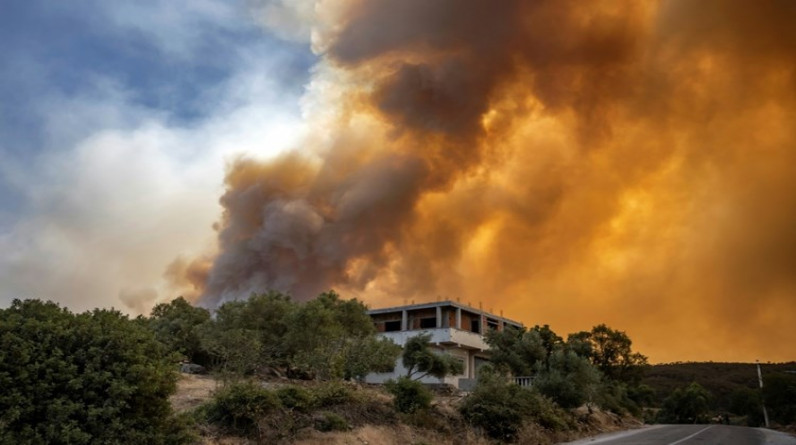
(117,188)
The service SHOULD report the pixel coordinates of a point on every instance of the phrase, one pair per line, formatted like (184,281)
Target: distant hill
(721,379)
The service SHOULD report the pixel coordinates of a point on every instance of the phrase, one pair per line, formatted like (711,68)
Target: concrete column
(404,321)
(458,318)
(439,317)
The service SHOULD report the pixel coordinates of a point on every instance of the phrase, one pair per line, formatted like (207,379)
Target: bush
(686,405)
(96,377)
(239,406)
(331,394)
(296,398)
(501,408)
(410,395)
(331,422)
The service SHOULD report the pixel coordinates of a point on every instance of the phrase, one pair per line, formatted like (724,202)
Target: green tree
(248,336)
(96,377)
(501,408)
(326,338)
(420,361)
(746,402)
(570,380)
(686,405)
(516,350)
(176,325)
(550,341)
(329,337)
(779,393)
(369,354)
(611,351)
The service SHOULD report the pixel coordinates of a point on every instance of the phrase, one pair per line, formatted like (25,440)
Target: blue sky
(116,122)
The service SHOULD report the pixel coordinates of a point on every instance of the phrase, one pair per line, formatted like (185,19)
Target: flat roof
(435,304)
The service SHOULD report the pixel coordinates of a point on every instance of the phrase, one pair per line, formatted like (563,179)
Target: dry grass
(388,435)
(192,391)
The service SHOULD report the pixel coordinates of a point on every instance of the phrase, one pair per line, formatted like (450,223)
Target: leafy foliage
(733,387)
(296,398)
(611,352)
(239,406)
(325,338)
(569,379)
(95,377)
(590,367)
(331,422)
(686,405)
(176,324)
(517,350)
(501,408)
(779,393)
(420,361)
(410,395)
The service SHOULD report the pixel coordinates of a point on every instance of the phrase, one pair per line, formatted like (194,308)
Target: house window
(392,326)
(428,323)
(475,325)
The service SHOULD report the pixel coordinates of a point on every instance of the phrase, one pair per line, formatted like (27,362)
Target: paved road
(691,435)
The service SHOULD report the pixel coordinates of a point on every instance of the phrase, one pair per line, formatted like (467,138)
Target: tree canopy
(95,377)
(420,361)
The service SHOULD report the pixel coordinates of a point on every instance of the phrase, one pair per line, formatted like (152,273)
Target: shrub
(501,408)
(239,406)
(410,395)
(95,377)
(686,405)
(295,397)
(331,422)
(331,394)
(497,407)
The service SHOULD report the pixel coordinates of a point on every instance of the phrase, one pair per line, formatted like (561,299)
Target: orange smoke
(626,162)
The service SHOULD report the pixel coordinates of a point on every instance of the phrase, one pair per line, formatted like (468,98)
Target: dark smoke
(571,163)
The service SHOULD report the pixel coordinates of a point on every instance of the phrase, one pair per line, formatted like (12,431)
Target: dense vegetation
(95,377)
(100,377)
(729,389)
(325,338)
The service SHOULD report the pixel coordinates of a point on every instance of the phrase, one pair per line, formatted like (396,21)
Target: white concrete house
(455,329)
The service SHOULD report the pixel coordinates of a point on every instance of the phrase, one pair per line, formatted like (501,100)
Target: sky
(629,163)
(116,122)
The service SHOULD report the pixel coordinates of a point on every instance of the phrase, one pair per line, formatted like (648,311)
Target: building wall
(464,343)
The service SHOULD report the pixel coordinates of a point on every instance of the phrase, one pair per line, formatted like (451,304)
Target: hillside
(726,382)
(369,417)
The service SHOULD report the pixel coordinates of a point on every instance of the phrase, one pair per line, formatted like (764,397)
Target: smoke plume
(628,162)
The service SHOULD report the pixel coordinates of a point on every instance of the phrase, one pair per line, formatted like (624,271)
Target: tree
(176,324)
(568,379)
(248,336)
(746,402)
(779,394)
(686,405)
(324,338)
(550,341)
(611,351)
(369,354)
(95,377)
(329,337)
(420,361)
(516,350)
(501,408)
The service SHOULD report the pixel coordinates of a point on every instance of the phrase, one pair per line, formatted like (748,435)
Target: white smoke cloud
(121,189)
